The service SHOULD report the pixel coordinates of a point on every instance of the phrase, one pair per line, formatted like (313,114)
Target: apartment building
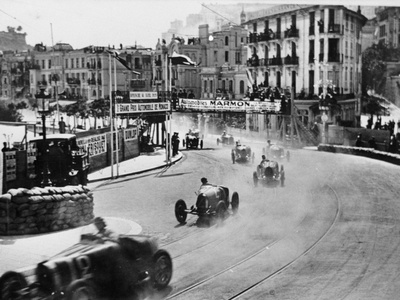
(307,47)
(85,73)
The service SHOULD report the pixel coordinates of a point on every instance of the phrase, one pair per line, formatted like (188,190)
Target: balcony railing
(291,33)
(333,28)
(43,82)
(253,62)
(276,61)
(73,81)
(91,81)
(334,57)
(265,36)
(291,60)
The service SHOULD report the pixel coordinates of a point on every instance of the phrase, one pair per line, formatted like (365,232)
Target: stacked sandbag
(41,210)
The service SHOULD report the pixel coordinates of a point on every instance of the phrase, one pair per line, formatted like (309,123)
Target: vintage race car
(94,268)
(241,153)
(269,174)
(193,140)
(212,201)
(277,152)
(226,139)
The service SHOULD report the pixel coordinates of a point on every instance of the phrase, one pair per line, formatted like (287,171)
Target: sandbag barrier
(367,152)
(42,210)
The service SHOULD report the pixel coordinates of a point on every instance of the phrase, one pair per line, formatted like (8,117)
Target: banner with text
(94,145)
(143,95)
(231,105)
(131,108)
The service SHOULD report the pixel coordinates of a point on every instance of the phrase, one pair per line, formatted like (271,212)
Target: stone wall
(41,210)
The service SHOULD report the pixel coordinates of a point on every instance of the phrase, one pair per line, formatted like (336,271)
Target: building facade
(308,47)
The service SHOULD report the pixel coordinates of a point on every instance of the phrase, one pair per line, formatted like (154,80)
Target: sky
(81,23)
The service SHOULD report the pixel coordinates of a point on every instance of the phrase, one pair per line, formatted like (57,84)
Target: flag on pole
(115,54)
(180,59)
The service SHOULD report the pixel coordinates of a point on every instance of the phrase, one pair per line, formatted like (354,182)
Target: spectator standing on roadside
(372,142)
(61,125)
(5,147)
(392,144)
(359,141)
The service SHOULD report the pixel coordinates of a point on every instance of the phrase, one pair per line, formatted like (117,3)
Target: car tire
(180,211)
(235,202)
(255,178)
(220,211)
(10,283)
(162,269)
(201,144)
(81,289)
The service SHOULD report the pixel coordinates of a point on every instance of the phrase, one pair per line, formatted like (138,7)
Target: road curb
(137,172)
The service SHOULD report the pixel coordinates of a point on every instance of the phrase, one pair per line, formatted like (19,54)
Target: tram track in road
(261,250)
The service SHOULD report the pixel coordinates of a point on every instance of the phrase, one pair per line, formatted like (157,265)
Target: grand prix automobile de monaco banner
(231,105)
(129,108)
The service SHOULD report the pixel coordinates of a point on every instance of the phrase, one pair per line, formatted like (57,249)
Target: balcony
(43,82)
(73,81)
(275,61)
(333,28)
(253,62)
(334,57)
(291,33)
(291,60)
(92,81)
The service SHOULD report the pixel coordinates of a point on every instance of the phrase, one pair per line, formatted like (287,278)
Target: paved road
(331,233)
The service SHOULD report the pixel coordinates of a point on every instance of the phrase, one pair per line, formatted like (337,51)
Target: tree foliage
(10,112)
(374,61)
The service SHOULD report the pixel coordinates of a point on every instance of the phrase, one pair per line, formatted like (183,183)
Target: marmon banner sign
(129,108)
(231,105)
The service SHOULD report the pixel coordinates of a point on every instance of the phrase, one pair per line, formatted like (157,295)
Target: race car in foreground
(212,202)
(268,174)
(95,268)
(193,140)
(225,139)
(241,153)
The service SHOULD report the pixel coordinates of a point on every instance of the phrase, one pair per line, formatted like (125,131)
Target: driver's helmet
(204,180)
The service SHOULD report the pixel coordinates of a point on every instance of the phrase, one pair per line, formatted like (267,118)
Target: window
(205,86)
(43,64)
(226,41)
(382,31)
(347,21)
(215,56)
(312,22)
(266,79)
(211,86)
(226,56)
(49,63)
(77,62)
(66,63)
(278,79)
(83,62)
(254,27)
(266,25)
(72,63)
(241,87)
(230,85)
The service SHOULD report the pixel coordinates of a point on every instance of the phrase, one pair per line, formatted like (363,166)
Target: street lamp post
(43,106)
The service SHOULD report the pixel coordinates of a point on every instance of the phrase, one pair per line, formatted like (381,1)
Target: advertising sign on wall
(131,134)
(94,145)
(11,165)
(231,105)
(30,159)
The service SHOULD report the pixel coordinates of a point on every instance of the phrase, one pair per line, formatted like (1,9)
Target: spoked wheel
(81,290)
(221,210)
(11,286)
(162,272)
(255,178)
(180,211)
(235,202)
